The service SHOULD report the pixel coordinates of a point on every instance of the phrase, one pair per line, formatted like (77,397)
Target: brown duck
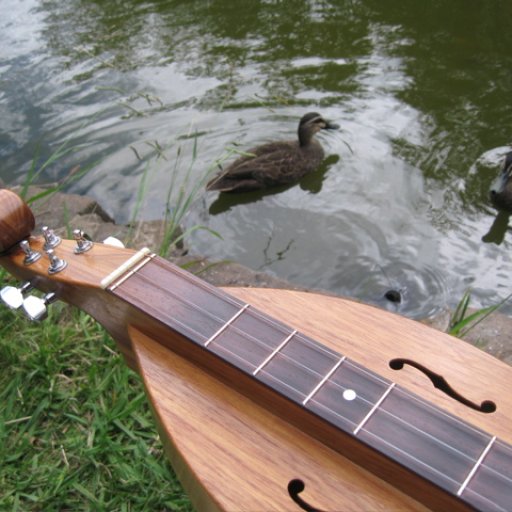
(276,163)
(501,188)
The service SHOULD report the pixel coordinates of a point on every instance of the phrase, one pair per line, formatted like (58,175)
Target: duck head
(312,123)
(501,188)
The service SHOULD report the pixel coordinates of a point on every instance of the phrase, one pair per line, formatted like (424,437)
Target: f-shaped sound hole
(440,383)
(295,487)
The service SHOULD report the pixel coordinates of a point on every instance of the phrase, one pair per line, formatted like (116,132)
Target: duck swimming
(276,163)
(501,188)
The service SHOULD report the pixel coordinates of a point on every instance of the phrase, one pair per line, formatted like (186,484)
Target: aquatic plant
(183,190)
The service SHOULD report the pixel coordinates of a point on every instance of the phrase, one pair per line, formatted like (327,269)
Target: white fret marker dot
(349,394)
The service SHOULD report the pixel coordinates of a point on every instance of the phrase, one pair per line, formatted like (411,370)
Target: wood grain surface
(231,454)
(16,219)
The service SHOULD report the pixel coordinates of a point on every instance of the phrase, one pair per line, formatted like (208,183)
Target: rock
(228,273)
(494,335)
(151,234)
(57,209)
(94,226)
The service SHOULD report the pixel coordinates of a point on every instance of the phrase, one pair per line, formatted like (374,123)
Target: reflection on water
(147,90)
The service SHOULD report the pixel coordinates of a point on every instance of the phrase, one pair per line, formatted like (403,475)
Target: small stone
(393,296)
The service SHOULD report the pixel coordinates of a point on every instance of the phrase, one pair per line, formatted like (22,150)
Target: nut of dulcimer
(16,220)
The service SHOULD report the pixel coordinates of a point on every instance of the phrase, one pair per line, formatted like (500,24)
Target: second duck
(501,188)
(276,163)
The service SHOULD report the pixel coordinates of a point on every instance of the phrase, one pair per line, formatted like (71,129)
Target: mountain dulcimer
(283,400)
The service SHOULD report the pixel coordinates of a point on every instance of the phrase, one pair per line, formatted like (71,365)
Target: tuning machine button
(30,255)
(83,242)
(36,308)
(51,240)
(13,297)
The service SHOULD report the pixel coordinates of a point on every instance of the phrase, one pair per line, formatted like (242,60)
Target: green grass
(76,432)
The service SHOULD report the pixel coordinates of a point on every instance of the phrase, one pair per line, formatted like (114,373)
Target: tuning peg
(13,297)
(30,255)
(36,308)
(83,242)
(56,264)
(51,240)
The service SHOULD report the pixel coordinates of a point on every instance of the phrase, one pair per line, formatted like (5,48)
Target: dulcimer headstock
(61,268)
(16,220)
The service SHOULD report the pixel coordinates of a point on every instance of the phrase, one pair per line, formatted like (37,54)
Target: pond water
(156,91)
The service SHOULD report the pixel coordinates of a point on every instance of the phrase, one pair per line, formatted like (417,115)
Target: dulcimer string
(439,447)
(315,346)
(398,418)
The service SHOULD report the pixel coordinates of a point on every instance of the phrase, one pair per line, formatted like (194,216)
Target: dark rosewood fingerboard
(460,459)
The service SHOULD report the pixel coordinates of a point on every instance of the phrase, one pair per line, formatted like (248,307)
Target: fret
(189,290)
(348,395)
(248,351)
(429,441)
(374,409)
(169,305)
(226,325)
(476,466)
(491,486)
(298,367)
(323,381)
(276,350)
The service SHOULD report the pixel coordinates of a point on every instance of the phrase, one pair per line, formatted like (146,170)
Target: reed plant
(184,188)
(462,321)
(37,168)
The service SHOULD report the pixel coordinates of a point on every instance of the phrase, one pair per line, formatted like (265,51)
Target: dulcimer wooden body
(285,400)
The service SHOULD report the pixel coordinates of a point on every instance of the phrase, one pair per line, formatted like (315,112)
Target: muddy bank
(65,212)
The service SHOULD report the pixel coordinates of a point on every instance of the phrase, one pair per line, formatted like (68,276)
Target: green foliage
(180,197)
(76,432)
(460,324)
(36,169)
(182,191)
